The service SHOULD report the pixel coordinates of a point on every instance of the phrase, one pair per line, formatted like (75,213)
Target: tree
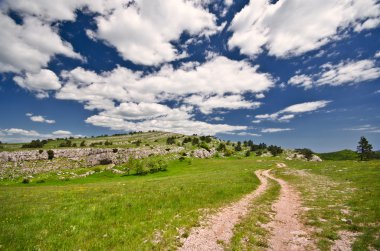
(364,149)
(275,150)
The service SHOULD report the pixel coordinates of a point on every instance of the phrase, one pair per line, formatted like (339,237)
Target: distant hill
(344,155)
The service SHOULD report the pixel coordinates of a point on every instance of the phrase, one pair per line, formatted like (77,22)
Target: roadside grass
(110,212)
(339,196)
(250,233)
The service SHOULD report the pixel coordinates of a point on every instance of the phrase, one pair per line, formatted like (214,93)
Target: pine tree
(364,149)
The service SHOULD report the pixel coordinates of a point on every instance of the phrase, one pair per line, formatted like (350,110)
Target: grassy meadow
(114,211)
(107,211)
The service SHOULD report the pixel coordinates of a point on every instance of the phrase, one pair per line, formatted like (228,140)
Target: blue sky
(289,72)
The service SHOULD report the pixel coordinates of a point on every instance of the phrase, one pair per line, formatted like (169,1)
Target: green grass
(104,212)
(329,189)
(340,155)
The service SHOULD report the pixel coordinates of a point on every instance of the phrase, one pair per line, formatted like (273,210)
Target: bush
(108,143)
(259,153)
(305,152)
(229,152)
(50,154)
(40,151)
(83,143)
(97,169)
(221,147)
(170,141)
(25,181)
(275,150)
(35,144)
(40,181)
(205,146)
(181,158)
(247,153)
(115,150)
(105,162)
(67,143)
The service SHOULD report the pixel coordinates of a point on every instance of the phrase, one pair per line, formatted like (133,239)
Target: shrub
(229,152)
(83,143)
(40,151)
(181,158)
(25,180)
(238,147)
(50,154)
(259,153)
(275,150)
(40,181)
(195,141)
(97,169)
(170,140)
(306,152)
(247,153)
(35,144)
(115,150)
(205,146)
(105,161)
(221,147)
(108,143)
(67,143)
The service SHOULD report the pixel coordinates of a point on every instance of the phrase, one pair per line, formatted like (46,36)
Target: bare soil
(288,232)
(218,228)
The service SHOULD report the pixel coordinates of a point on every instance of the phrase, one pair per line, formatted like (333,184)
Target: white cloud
(305,107)
(62,133)
(301,80)
(293,27)
(29,46)
(260,96)
(39,118)
(248,134)
(232,102)
(149,27)
(377,55)
(345,72)
(288,113)
(22,132)
(142,97)
(350,72)
(23,135)
(40,82)
(273,130)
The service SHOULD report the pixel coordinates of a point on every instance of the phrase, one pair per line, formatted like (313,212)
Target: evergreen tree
(364,149)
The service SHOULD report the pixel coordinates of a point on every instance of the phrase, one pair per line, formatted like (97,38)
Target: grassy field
(339,196)
(106,211)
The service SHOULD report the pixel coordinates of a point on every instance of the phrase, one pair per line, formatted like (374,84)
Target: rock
(203,153)
(316,158)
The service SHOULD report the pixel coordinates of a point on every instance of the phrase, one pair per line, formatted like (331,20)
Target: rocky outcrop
(203,153)
(90,156)
(298,156)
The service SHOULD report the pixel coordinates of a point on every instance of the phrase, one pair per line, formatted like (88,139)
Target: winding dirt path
(218,228)
(288,233)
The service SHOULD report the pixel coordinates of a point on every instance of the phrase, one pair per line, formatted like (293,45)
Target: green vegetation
(109,211)
(339,195)
(364,149)
(339,155)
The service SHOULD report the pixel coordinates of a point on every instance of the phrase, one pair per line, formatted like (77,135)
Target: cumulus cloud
(289,112)
(29,46)
(293,27)
(301,81)
(345,72)
(40,82)
(39,118)
(149,27)
(22,132)
(273,130)
(144,97)
(62,133)
(231,102)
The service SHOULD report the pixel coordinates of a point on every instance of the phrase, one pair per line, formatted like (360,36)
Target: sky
(293,73)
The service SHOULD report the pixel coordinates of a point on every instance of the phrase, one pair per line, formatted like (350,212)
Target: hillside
(345,155)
